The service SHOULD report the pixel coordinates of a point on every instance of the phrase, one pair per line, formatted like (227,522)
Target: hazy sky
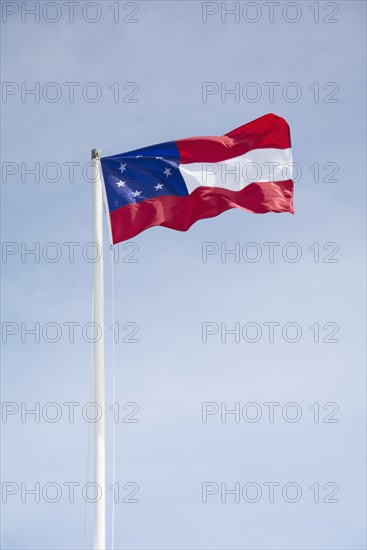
(134,77)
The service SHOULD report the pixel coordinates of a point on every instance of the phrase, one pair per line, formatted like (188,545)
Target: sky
(287,469)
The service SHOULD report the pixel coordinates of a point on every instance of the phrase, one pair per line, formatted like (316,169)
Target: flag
(177,183)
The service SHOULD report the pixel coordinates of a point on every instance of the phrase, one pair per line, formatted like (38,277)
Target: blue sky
(169,292)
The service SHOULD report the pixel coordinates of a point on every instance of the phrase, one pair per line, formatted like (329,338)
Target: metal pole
(98,355)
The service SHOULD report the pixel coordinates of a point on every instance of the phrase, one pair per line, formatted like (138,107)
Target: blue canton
(143,174)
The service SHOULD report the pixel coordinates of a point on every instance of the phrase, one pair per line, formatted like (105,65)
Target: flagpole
(98,355)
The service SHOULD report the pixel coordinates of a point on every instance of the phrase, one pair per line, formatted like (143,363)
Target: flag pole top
(96,153)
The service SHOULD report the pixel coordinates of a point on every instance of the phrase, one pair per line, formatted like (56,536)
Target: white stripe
(236,173)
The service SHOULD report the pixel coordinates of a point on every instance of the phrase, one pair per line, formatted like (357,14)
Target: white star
(158,186)
(136,194)
(139,156)
(167,172)
(122,168)
(120,183)
(159,158)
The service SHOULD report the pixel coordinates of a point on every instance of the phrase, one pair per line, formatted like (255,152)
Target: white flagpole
(98,354)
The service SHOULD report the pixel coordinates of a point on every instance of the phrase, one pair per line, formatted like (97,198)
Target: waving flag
(177,183)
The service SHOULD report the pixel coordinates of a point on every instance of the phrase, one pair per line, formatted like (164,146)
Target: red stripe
(267,131)
(181,213)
